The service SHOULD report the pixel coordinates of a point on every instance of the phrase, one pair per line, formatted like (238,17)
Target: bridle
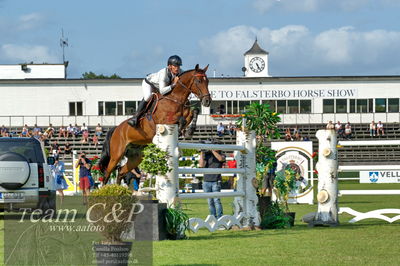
(199,94)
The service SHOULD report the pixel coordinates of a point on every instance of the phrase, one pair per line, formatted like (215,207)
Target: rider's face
(174,69)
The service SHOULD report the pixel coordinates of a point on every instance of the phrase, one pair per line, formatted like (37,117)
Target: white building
(300,100)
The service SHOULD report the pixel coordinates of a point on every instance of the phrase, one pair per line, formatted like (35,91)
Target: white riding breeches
(146,88)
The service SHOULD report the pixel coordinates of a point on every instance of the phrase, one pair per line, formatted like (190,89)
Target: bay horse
(171,108)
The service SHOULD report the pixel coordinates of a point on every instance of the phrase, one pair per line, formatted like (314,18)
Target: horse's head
(200,85)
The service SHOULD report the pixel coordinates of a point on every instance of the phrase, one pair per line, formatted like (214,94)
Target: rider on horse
(164,81)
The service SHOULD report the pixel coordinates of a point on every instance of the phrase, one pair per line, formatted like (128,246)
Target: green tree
(92,75)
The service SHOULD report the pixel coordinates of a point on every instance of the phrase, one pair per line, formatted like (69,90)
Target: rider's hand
(175,80)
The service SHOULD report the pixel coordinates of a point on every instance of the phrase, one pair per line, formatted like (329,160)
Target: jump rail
(167,187)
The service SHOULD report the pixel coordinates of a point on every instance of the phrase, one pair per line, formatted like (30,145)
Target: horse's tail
(105,153)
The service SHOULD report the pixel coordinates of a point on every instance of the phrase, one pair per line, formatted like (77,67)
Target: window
(362,106)
(281,106)
(130,107)
(242,105)
(305,106)
(218,107)
(120,108)
(271,103)
(328,106)
(380,105)
(393,105)
(111,108)
(293,106)
(352,105)
(75,108)
(101,108)
(341,106)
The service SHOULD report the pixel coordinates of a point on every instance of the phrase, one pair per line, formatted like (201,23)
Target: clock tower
(256,62)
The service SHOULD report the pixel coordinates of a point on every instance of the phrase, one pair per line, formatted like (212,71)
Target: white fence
(167,187)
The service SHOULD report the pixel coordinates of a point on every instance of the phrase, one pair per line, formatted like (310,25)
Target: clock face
(257,64)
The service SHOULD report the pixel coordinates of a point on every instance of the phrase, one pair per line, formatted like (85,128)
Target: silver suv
(25,177)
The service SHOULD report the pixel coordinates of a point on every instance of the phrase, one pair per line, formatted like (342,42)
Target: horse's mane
(186,71)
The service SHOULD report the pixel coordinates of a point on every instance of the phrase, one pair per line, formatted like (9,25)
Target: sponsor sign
(380,176)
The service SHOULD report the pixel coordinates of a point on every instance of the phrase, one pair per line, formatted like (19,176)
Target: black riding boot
(133,121)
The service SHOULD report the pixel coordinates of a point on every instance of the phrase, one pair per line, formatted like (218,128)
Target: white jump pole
(167,186)
(248,203)
(327,166)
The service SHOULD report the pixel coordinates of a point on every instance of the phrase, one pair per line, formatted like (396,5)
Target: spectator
(99,130)
(49,132)
(70,130)
(85,136)
(212,182)
(132,179)
(296,133)
(339,129)
(268,180)
(84,128)
(67,148)
(75,130)
(330,125)
(232,164)
(306,138)
(60,183)
(220,129)
(62,132)
(4,131)
(288,135)
(55,149)
(25,131)
(231,129)
(84,165)
(347,131)
(379,129)
(372,129)
(95,140)
(36,131)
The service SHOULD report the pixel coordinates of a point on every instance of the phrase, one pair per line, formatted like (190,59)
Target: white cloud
(26,53)
(29,21)
(294,50)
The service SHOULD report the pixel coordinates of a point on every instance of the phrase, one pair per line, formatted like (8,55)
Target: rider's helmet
(174,60)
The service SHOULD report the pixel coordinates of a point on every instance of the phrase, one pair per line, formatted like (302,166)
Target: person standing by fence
(212,182)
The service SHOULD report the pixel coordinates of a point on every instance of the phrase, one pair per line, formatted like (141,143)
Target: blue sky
(134,38)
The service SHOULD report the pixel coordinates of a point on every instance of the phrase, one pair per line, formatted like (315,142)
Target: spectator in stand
(4,131)
(306,138)
(55,149)
(75,130)
(84,127)
(49,132)
(99,130)
(379,129)
(67,148)
(330,125)
(62,132)
(347,131)
(296,133)
(220,130)
(70,130)
(85,136)
(288,135)
(372,129)
(231,129)
(95,140)
(36,131)
(339,129)
(25,131)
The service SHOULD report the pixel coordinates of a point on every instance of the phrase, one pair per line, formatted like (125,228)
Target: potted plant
(112,208)
(284,183)
(177,223)
(261,119)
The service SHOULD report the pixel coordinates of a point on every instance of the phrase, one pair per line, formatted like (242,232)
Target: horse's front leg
(192,121)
